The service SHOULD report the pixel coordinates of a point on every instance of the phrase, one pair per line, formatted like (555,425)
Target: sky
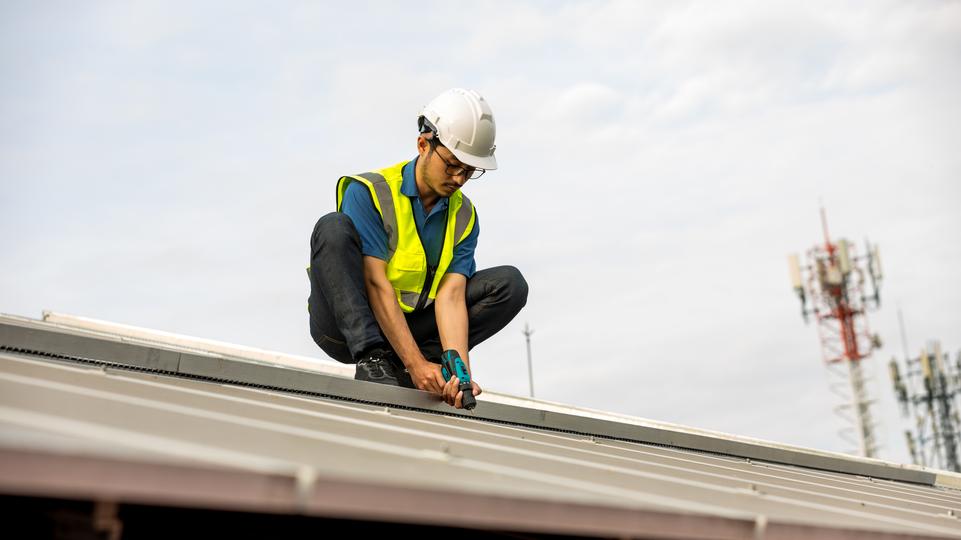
(162,165)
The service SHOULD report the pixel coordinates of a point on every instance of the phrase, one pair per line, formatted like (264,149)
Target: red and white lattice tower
(831,286)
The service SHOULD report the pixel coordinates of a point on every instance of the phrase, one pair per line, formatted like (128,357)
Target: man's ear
(423,145)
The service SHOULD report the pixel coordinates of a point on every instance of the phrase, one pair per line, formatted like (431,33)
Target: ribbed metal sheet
(18,333)
(327,453)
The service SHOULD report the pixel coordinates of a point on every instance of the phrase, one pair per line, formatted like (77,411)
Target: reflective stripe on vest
(407,268)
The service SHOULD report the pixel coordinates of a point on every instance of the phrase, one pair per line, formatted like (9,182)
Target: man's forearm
(391,320)
(452,323)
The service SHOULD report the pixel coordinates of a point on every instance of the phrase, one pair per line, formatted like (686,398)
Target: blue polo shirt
(359,207)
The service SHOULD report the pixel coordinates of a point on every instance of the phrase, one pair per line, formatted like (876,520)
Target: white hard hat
(464,123)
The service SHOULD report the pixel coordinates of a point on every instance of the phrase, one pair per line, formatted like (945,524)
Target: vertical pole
(861,405)
(929,370)
(947,426)
(530,368)
(904,337)
(824,227)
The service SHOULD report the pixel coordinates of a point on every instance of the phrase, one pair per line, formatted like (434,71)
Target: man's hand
(455,397)
(427,376)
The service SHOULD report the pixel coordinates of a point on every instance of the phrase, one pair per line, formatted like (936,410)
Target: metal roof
(96,413)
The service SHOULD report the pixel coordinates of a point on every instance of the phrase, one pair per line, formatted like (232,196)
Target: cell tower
(831,286)
(928,393)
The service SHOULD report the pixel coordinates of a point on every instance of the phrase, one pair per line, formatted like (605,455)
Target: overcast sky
(162,165)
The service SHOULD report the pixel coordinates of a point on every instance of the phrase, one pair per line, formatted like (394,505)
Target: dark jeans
(342,322)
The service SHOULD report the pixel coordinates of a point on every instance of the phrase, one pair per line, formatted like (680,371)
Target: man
(392,274)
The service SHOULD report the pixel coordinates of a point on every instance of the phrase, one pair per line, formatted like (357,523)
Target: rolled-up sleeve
(463,262)
(359,207)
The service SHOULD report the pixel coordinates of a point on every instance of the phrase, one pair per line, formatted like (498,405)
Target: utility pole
(530,369)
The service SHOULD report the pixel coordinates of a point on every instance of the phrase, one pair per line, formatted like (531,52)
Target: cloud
(582,104)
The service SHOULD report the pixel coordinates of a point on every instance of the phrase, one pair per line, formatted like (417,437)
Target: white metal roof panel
(317,448)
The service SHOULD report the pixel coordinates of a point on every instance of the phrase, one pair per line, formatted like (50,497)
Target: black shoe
(377,367)
(403,376)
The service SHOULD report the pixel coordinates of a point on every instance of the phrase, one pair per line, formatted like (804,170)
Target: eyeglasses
(471,173)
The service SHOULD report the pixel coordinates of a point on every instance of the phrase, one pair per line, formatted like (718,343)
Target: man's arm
(450,307)
(426,375)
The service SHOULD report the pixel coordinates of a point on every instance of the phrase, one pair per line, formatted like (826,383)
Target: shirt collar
(409,185)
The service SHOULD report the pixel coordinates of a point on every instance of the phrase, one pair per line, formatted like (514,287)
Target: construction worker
(392,276)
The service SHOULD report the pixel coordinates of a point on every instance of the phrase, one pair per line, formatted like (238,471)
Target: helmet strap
(425,126)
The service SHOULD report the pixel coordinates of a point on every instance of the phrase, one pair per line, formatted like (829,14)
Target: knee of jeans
(516,285)
(333,227)
(335,348)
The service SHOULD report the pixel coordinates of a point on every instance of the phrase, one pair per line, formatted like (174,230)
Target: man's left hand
(455,397)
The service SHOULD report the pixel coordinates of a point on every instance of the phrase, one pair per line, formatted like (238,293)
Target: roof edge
(299,492)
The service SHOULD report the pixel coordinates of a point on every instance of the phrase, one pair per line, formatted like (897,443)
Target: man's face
(438,164)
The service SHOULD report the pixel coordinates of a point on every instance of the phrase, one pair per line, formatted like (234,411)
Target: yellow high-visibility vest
(415,282)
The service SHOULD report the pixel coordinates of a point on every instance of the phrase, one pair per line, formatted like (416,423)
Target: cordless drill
(451,364)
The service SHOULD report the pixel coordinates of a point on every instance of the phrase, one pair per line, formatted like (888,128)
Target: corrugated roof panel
(120,350)
(62,408)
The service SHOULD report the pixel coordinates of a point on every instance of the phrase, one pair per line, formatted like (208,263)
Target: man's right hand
(427,376)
